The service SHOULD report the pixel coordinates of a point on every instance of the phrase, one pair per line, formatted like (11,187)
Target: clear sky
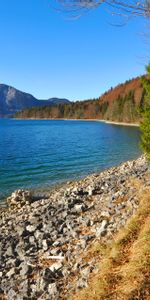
(47,55)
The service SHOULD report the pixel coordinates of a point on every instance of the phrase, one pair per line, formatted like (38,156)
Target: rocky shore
(43,238)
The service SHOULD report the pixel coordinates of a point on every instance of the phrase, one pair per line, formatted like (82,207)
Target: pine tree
(145,124)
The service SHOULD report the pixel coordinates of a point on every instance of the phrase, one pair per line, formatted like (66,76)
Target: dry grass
(124,266)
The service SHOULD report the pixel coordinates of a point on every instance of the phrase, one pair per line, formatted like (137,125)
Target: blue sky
(43,53)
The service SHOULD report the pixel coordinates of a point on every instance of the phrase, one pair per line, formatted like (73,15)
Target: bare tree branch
(132,7)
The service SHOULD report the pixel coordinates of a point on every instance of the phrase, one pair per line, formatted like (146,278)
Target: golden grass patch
(124,264)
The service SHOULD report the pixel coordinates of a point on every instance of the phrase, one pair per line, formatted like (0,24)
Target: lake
(39,153)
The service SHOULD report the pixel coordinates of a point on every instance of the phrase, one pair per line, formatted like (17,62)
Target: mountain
(119,104)
(13,100)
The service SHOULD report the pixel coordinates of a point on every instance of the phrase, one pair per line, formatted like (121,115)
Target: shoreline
(122,123)
(63,181)
(62,184)
(51,235)
(85,120)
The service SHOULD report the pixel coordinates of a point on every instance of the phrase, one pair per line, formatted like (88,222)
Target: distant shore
(122,123)
(86,120)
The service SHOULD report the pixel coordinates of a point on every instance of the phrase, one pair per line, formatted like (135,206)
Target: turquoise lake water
(39,153)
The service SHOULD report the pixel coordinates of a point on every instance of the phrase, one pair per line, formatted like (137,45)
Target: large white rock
(30,228)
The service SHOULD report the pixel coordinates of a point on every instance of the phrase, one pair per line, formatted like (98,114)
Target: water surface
(39,153)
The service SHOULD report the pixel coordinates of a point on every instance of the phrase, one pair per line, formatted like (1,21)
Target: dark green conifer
(145,124)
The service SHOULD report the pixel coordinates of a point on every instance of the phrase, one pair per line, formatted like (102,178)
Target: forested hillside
(120,104)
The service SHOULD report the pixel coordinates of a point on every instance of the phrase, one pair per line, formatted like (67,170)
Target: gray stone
(52,290)
(31,239)
(56,266)
(101,231)
(30,228)
(9,251)
(19,230)
(90,190)
(79,208)
(38,234)
(21,252)
(83,244)
(24,269)
(11,295)
(85,272)
(105,214)
(45,246)
(54,251)
(11,272)
(82,283)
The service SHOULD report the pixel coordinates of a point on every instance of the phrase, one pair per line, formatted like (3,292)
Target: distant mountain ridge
(13,101)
